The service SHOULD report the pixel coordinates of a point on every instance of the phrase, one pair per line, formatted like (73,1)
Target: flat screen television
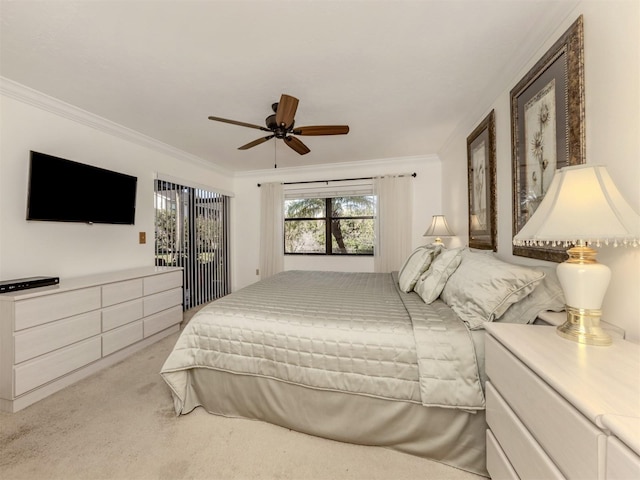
(61,190)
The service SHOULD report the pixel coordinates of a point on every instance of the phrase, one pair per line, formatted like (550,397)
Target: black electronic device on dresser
(7,286)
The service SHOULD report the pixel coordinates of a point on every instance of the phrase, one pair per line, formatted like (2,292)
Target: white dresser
(51,337)
(559,409)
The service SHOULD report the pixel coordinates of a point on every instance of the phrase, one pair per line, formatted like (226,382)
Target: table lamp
(438,228)
(583,208)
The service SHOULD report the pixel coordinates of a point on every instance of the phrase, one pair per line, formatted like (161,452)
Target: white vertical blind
(192,231)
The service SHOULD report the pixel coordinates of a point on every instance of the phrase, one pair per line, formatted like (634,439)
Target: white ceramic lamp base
(585,283)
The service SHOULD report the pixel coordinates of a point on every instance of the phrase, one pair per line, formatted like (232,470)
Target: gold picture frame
(547,129)
(481,175)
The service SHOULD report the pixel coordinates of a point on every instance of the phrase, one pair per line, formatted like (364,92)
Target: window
(341,225)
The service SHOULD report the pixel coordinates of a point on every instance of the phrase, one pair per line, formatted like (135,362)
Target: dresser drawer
(162,301)
(41,370)
(121,314)
(525,455)
(39,310)
(121,337)
(161,321)
(119,292)
(574,447)
(162,282)
(47,338)
(498,464)
(622,463)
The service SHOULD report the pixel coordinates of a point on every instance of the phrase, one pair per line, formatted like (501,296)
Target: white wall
(426,202)
(612,96)
(31,121)
(612,37)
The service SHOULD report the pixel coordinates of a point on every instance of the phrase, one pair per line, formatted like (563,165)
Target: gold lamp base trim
(583,326)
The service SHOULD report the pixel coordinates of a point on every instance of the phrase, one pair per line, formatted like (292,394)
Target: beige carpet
(120,424)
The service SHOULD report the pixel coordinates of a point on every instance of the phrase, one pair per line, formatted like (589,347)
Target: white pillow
(431,282)
(548,296)
(415,265)
(484,287)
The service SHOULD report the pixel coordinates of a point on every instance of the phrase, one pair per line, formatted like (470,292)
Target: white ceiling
(402,74)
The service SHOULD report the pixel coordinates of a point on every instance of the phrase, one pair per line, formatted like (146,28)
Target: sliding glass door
(192,231)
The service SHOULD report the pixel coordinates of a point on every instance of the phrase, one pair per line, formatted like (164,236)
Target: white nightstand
(559,409)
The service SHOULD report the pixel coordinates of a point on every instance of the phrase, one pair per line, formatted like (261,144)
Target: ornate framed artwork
(481,168)
(547,129)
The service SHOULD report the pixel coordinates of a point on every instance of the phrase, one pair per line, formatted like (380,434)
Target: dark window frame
(328,221)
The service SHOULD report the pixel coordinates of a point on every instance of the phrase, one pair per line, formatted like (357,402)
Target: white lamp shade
(582,205)
(438,228)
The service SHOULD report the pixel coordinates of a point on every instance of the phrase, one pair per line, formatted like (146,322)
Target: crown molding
(53,105)
(336,167)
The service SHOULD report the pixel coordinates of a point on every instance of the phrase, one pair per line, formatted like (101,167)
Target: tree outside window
(348,223)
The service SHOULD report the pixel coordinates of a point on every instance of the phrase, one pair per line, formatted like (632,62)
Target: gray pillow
(548,296)
(484,287)
(431,282)
(415,265)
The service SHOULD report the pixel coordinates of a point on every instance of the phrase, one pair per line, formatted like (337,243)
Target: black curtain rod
(414,174)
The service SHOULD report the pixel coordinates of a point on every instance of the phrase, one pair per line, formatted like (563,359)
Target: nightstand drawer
(525,455)
(498,464)
(574,447)
(622,463)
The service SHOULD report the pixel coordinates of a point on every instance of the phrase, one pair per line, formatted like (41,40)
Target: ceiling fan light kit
(281,124)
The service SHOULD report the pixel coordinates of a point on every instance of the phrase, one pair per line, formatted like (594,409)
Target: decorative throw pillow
(548,296)
(484,287)
(415,265)
(431,282)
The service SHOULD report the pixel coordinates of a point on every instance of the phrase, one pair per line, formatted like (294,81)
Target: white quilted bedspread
(349,332)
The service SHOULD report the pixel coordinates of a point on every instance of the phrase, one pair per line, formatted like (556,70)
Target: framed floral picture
(481,168)
(547,129)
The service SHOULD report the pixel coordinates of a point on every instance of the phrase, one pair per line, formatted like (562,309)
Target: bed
(346,356)
(364,358)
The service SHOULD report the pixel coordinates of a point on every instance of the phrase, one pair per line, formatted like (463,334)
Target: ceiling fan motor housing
(279,131)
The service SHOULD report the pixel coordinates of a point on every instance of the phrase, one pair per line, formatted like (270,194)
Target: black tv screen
(65,191)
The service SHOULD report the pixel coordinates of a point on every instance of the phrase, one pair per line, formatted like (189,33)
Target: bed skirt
(450,436)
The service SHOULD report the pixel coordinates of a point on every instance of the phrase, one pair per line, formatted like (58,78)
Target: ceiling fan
(281,125)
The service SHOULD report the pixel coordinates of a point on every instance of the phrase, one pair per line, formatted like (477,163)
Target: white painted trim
(50,104)
(396,161)
(189,183)
(53,105)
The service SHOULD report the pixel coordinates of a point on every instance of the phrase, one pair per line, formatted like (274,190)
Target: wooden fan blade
(256,142)
(242,124)
(286,110)
(296,145)
(322,130)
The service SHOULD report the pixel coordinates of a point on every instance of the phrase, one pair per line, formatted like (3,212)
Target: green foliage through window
(347,221)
